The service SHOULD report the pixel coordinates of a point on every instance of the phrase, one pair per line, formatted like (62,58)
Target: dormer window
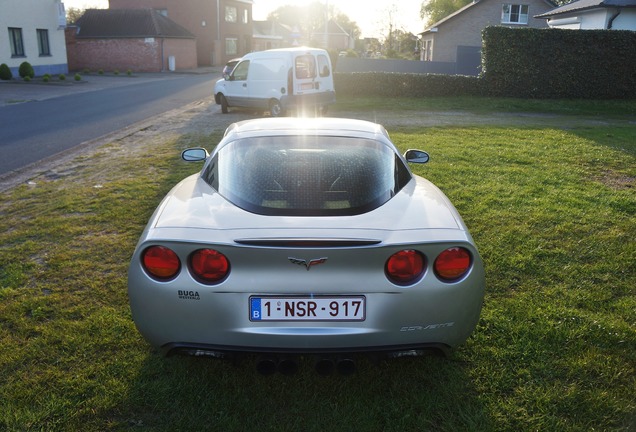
(514,14)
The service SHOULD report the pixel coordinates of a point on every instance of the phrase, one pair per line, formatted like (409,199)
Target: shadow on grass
(182,393)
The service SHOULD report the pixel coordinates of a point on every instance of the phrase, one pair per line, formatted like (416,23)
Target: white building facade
(33,31)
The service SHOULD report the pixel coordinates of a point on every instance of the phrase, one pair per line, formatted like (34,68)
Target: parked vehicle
(279,80)
(300,237)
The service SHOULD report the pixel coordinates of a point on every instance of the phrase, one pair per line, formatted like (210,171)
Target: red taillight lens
(452,264)
(405,267)
(209,266)
(160,262)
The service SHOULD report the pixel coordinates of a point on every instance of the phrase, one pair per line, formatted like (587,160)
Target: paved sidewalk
(18,91)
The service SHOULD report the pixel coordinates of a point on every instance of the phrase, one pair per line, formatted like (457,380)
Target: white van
(279,80)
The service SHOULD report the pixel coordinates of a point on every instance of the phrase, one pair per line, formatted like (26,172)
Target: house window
(43,42)
(231,46)
(244,17)
(514,14)
(163,12)
(231,14)
(15,38)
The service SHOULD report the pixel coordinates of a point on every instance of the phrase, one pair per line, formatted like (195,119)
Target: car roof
(311,126)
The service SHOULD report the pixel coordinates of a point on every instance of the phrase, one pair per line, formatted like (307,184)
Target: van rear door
(312,73)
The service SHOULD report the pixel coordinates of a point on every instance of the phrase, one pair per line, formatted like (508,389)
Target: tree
(403,45)
(312,17)
(436,10)
(73,14)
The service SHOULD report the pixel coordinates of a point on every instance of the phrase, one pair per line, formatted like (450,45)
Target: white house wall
(597,19)
(626,20)
(31,15)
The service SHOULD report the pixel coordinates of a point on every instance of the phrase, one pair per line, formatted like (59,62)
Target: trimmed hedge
(555,63)
(385,84)
(522,63)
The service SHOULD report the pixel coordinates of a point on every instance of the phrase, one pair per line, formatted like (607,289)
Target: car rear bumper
(224,351)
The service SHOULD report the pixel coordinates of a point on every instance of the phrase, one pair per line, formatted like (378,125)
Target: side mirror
(416,156)
(196,154)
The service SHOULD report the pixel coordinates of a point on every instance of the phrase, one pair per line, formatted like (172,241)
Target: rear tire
(224,106)
(275,108)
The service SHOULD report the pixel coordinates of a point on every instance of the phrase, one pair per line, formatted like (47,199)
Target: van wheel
(275,108)
(224,105)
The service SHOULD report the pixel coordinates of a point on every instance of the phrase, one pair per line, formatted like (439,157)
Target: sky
(372,16)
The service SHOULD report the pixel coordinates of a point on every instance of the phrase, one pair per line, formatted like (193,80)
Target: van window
(305,66)
(240,71)
(323,66)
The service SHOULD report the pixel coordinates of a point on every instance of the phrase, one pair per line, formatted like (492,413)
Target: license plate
(307,308)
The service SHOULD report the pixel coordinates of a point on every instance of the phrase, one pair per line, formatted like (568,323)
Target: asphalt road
(35,130)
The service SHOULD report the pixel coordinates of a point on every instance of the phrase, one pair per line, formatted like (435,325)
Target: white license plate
(307,308)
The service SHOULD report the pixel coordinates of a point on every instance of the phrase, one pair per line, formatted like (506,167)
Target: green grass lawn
(552,211)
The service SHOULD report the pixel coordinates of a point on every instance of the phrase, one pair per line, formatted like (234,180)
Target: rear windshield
(307,176)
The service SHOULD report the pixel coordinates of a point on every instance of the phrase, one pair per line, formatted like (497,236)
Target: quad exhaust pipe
(269,365)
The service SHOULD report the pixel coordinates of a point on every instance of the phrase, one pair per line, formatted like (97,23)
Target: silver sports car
(305,236)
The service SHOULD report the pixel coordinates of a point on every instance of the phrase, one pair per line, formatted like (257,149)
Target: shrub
(5,72)
(26,78)
(129,72)
(62,77)
(26,70)
(46,78)
(387,84)
(556,63)
(86,71)
(116,71)
(78,77)
(101,72)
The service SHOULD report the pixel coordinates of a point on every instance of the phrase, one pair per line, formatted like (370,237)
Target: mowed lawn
(552,209)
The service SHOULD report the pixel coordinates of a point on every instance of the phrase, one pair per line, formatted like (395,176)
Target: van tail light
(160,262)
(209,266)
(452,264)
(405,267)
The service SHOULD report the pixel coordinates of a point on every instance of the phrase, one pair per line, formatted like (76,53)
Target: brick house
(333,38)
(223,28)
(271,35)
(457,38)
(122,39)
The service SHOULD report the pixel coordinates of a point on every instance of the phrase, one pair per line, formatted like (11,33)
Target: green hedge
(554,63)
(522,63)
(385,84)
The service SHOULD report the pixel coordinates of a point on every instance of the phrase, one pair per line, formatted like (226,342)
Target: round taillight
(160,262)
(405,267)
(452,264)
(209,266)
